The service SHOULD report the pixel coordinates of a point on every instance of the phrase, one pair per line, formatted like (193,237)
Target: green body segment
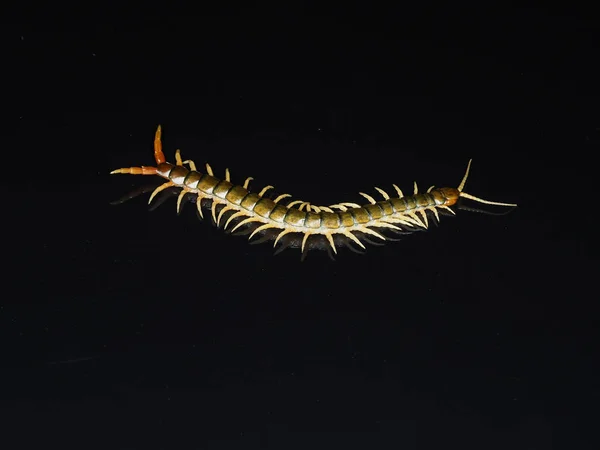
(263,207)
(278,213)
(236,194)
(360,215)
(295,217)
(249,201)
(192,179)
(346,219)
(313,220)
(240,197)
(207,183)
(222,189)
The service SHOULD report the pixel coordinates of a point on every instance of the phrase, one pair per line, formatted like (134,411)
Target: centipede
(298,223)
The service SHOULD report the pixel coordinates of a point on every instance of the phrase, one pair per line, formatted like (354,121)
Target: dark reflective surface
(124,326)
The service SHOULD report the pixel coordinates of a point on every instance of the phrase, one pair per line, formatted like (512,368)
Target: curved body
(346,219)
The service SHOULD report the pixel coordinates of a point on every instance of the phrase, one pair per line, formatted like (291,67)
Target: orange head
(451,194)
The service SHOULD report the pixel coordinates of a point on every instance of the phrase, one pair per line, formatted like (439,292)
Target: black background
(124,328)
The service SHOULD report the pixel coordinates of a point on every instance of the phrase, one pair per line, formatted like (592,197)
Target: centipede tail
(296,223)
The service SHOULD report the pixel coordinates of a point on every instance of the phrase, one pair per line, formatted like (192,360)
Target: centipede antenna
(487,202)
(461,186)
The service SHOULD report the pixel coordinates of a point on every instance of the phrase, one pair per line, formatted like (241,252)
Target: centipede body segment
(280,217)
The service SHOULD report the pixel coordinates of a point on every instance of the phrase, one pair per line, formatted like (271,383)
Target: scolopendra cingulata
(345,222)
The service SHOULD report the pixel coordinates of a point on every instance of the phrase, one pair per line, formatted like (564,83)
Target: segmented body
(347,219)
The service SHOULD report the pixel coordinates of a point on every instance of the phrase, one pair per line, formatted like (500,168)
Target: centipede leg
(223,211)
(261,240)
(182,194)
(331,242)
(162,187)
(178,160)
(304,239)
(199,206)
(264,227)
(213,210)
(161,198)
(191,163)
(159,156)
